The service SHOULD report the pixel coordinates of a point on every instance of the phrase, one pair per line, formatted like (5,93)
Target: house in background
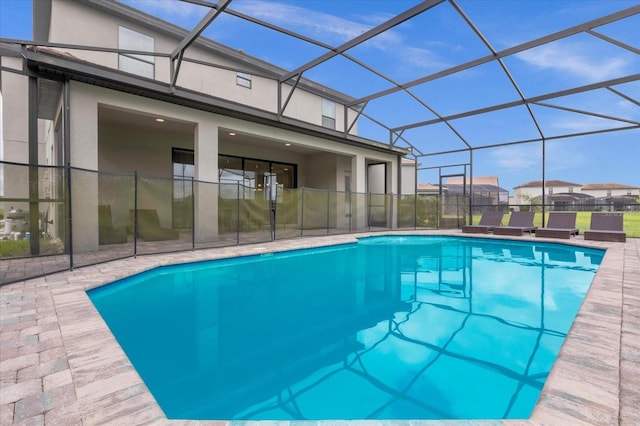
(574,196)
(220,116)
(618,196)
(486,191)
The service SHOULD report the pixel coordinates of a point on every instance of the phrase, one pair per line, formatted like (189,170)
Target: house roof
(428,187)
(608,186)
(484,180)
(476,188)
(548,184)
(408,162)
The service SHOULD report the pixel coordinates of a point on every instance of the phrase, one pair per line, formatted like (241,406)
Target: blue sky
(437,40)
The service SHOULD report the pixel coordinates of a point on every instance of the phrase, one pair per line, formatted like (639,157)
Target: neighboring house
(408,176)
(529,191)
(609,190)
(219,117)
(429,189)
(568,195)
(613,195)
(486,190)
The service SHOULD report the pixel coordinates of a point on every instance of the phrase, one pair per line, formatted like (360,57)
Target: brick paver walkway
(60,365)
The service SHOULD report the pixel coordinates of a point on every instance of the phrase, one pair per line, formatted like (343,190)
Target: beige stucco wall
(408,179)
(71,18)
(15,113)
(604,193)
(124,150)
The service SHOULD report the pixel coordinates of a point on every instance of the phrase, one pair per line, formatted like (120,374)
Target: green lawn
(19,248)
(631,222)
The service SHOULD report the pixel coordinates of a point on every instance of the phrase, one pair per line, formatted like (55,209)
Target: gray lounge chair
(107,234)
(519,223)
(488,222)
(560,225)
(606,227)
(149,228)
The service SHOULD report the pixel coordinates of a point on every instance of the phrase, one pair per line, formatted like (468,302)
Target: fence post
(272,213)
(135,213)
(193,216)
(302,213)
(391,212)
(237,212)
(69,216)
(369,212)
(328,212)
(350,209)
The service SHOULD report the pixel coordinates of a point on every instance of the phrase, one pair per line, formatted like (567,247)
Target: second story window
(550,191)
(243,79)
(142,65)
(570,189)
(328,114)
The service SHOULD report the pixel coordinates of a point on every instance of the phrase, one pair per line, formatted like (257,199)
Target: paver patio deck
(60,364)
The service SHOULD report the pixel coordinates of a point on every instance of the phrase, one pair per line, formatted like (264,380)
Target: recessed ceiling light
(232,133)
(160,120)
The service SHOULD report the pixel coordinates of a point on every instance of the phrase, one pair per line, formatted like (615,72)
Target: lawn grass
(20,248)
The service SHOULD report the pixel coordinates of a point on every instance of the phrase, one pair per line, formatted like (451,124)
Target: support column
(83,153)
(34,184)
(359,187)
(358,174)
(206,189)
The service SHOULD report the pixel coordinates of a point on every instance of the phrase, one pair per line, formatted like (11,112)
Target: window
(608,193)
(250,179)
(243,79)
(550,191)
(183,173)
(571,190)
(134,63)
(328,114)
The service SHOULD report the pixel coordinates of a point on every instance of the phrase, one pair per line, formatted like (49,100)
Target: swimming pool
(390,328)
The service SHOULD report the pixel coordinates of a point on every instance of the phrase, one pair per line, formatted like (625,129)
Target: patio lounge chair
(519,223)
(488,222)
(149,228)
(560,225)
(606,227)
(107,234)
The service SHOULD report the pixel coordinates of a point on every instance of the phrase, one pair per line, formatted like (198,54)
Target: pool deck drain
(60,364)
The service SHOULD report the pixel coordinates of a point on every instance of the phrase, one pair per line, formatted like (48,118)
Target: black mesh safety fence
(84,217)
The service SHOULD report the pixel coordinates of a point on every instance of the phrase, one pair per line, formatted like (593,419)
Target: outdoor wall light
(287,144)
(232,133)
(160,120)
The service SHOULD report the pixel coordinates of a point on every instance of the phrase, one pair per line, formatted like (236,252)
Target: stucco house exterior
(204,113)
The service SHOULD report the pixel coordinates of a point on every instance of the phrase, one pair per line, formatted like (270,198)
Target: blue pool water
(417,327)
